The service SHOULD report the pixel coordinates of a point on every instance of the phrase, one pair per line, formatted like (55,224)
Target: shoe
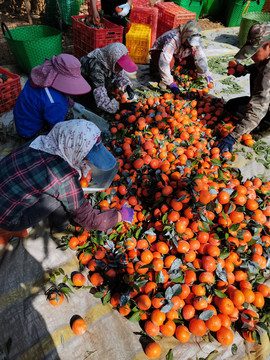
(58,235)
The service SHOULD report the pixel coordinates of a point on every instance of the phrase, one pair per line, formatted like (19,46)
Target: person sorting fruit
(183,42)
(253,111)
(105,69)
(44,100)
(116,11)
(43,181)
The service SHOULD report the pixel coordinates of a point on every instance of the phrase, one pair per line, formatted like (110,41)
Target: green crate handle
(6,29)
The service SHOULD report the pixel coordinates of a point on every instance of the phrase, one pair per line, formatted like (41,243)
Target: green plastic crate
(235,9)
(31,45)
(194,6)
(66,8)
(212,8)
(247,21)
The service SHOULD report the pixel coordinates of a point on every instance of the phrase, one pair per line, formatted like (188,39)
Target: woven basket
(236,9)
(31,45)
(247,21)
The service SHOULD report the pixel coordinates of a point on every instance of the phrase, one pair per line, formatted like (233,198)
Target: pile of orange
(193,259)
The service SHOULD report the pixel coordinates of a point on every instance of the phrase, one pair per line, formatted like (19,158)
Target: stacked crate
(138,41)
(87,39)
(146,16)
(170,15)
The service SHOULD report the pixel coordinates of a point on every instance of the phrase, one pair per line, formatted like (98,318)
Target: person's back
(37,106)
(33,173)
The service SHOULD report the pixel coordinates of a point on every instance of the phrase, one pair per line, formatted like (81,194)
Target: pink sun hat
(127,64)
(62,73)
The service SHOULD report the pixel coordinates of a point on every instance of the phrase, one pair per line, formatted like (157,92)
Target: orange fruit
(153,350)
(79,326)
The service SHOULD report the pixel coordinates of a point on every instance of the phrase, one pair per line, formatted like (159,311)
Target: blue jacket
(37,106)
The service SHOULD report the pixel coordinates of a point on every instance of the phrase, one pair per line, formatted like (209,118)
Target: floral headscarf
(190,28)
(71,140)
(109,55)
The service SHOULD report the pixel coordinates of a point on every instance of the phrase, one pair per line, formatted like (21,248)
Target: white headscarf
(71,140)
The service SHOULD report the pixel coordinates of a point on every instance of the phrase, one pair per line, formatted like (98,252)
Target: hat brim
(101,157)
(195,41)
(246,51)
(127,64)
(71,85)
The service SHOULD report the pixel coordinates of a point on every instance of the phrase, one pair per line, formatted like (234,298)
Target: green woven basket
(235,9)
(66,8)
(31,45)
(247,21)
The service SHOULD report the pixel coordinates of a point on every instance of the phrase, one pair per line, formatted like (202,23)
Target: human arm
(95,219)
(104,102)
(171,47)
(201,64)
(122,80)
(94,10)
(258,104)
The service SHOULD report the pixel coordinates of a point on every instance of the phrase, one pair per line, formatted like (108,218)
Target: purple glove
(174,88)
(209,79)
(127,214)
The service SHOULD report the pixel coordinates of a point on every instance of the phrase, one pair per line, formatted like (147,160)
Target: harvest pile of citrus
(193,259)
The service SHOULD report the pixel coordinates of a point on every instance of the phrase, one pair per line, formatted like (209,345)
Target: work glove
(130,92)
(127,214)
(125,11)
(132,106)
(226,144)
(174,88)
(209,80)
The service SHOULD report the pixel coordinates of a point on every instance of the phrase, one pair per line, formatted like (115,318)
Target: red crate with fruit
(88,36)
(10,87)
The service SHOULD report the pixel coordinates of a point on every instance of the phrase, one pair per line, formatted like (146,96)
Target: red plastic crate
(142,3)
(145,16)
(90,6)
(9,91)
(171,15)
(87,39)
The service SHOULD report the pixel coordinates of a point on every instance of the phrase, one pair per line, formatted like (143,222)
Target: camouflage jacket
(259,103)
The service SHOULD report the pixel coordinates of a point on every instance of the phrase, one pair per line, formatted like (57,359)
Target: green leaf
(220,293)
(99,294)
(136,317)
(206,315)
(61,271)
(263,326)
(106,299)
(169,356)
(224,255)
(234,349)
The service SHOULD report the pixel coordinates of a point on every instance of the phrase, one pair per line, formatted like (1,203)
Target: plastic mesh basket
(87,39)
(194,6)
(9,90)
(31,45)
(66,8)
(171,15)
(213,8)
(138,41)
(146,16)
(247,21)
(235,9)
